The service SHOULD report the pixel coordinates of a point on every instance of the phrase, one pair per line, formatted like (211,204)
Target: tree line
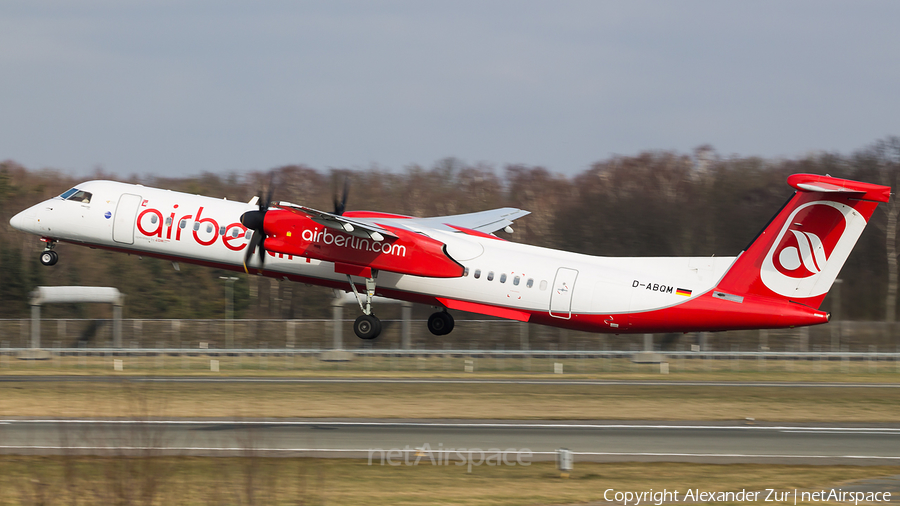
(655,203)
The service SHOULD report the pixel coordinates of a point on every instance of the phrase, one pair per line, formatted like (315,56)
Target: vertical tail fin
(801,251)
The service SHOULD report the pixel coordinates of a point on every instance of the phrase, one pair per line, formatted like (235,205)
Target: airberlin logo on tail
(811,248)
(808,253)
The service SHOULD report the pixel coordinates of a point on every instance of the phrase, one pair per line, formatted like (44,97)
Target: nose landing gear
(48,256)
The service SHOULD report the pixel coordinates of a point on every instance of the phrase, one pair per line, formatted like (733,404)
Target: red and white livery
(455,262)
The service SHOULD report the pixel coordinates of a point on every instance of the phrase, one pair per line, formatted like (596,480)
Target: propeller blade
(269,194)
(341,205)
(255,241)
(262,253)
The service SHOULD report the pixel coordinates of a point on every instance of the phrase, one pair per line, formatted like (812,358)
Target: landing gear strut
(48,256)
(367,326)
(440,323)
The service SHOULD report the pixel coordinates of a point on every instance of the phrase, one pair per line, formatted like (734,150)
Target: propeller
(254,220)
(341,205)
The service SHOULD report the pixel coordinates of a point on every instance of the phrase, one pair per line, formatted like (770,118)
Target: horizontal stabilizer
(828,184)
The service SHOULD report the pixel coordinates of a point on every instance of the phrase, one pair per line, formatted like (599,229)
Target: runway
(449,381)
(359,438)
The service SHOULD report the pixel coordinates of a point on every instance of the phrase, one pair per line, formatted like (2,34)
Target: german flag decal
(683,291)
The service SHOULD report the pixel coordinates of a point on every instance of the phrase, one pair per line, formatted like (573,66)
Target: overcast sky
(177,88)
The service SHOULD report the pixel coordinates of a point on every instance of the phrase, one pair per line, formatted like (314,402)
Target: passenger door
(126,218)
(561,296)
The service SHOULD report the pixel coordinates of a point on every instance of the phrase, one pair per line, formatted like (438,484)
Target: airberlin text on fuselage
(162,228)
(344,241)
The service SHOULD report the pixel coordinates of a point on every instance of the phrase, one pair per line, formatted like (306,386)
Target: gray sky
(176,88)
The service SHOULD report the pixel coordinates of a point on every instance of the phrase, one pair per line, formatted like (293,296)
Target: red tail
(800,253)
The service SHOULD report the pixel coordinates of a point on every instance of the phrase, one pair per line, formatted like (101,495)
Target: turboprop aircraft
(456,263)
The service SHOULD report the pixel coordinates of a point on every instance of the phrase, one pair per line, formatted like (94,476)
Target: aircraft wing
(486,222)
(348,225)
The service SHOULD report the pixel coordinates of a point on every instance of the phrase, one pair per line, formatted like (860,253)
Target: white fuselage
(193,228)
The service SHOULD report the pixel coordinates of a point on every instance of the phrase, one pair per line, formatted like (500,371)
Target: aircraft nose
(25,220)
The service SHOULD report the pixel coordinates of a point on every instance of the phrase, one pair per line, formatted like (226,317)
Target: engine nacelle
(409,253)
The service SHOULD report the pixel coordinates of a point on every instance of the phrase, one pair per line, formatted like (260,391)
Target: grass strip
(69,480)
(440,366)
(141,400)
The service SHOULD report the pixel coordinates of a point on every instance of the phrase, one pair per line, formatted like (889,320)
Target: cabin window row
(503,277)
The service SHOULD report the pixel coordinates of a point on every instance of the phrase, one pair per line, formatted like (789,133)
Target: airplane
(457,263)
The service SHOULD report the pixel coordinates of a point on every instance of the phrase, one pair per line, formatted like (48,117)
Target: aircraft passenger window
(153,219)
(209,228)
(477,273)
(530,283)
(182,224)
(80,196)
(465,271)
(503,278)
(68,193)
(196,226)
(222,231)
(234,233)
(490,276)
(169,221)
(543,284)
(516,280)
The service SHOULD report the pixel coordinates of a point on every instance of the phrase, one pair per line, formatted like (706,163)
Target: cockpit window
(80,196)
(68,193)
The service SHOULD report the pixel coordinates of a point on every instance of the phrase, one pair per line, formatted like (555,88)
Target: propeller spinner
(254,220)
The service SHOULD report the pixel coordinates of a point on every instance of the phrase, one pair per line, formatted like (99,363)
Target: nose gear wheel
(48,256)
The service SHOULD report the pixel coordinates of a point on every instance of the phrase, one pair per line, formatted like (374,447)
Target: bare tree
(887,157)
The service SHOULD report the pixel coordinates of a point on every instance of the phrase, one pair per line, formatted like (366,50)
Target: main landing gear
(48,256)
(367,326)
(440,323)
